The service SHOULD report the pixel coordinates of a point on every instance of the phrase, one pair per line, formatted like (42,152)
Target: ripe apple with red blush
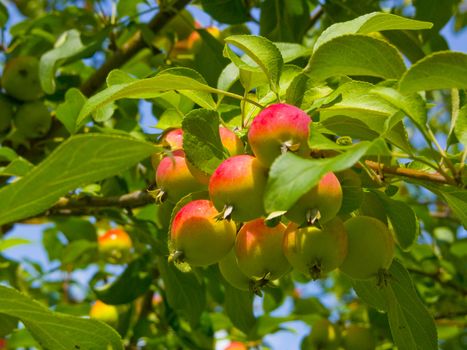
(197,237)
(237,188)
(174,179)
(115,246)
(277,129)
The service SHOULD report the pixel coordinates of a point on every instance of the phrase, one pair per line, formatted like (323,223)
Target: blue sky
(280,340)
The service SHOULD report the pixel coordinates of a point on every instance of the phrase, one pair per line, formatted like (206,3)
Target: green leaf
(283,20)
(57,331)
(438,12)
(210,50)
(68,111)
(291,51)
(67,45)
(184,80)
(440,70)
(460,125)
(3,15)
(75,228)
(355,55)
(412,105)
(403,220)
(291,176)
(201,140)
(74,252)
(412,326)
(17,167)
(263,52)
(371,22)
(136,274)
(303,92)
(79,160)
(355,99)
(7,324)
(238,306)
(227,11)
(185,293)
(457,201)
(12,242)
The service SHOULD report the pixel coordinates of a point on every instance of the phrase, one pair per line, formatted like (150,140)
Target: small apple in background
(198,237)
(21,78)
(277,129)
(115,246)
(324,335)
(236,345)
(370,248)
(7,110)
(358,338)
(33,119)
(237,188)
(104,313)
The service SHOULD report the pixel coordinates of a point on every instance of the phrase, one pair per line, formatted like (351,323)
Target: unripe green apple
(33,119)
(374,207)
(277,129)
(198,237)
(314,251)
(324,335)
(358,338)
(21,78)
(7,109)
(174,179)
(115,246)
(259,250)
(370,248)
(238,185)
(322,202)
(104,313)
(228,267)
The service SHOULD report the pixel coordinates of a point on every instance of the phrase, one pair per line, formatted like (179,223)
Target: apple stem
(176,256)
(312,216)
(383,278)
(316,270)
(225,214)
(158,194)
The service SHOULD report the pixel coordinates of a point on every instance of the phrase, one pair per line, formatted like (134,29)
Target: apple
(115,246)
(21,78)
(198,237)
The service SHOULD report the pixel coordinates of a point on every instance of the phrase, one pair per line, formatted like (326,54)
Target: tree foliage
(388,104)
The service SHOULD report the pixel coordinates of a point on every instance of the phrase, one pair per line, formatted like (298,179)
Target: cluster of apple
(230,228)
(21,105)
(326,335)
